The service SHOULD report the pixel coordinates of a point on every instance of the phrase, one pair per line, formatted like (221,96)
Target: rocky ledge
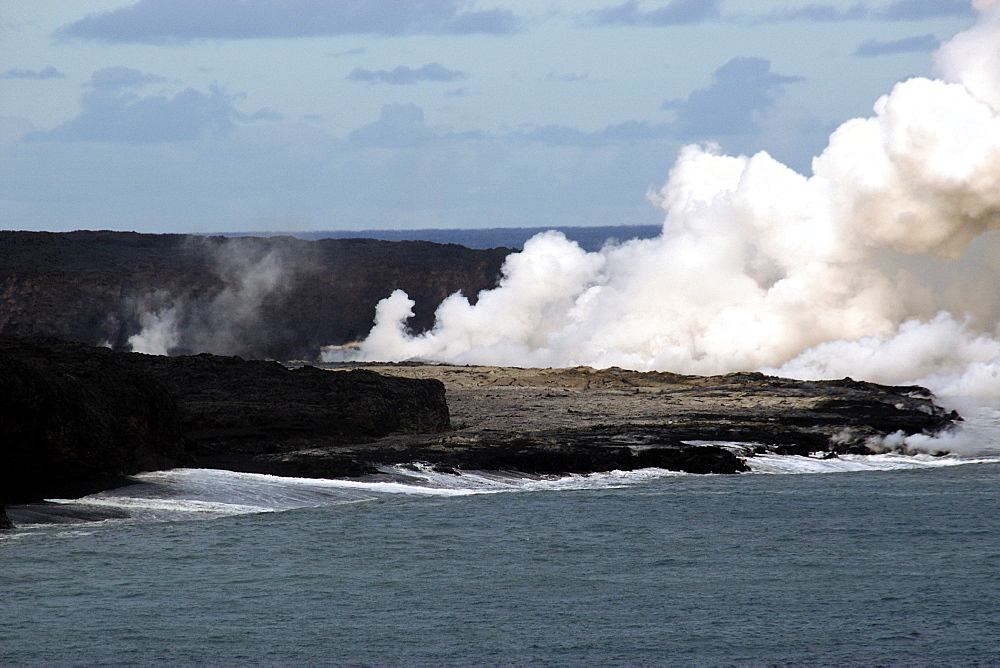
(582,419)
(78,419)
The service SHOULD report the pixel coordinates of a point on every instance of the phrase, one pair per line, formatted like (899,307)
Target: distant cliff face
(275,297)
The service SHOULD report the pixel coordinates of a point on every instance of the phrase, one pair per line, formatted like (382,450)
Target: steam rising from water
(882,265)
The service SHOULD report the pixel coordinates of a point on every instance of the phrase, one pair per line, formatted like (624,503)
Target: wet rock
(5,523)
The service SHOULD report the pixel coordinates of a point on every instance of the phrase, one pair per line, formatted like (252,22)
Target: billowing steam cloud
(883,265)
(159,317)
(227,319)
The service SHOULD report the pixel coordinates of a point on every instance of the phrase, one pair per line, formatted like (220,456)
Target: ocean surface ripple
(890,560)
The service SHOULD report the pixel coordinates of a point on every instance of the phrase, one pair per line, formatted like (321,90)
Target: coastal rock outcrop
(557,452)
(76,419)
(231,408)
(525,419)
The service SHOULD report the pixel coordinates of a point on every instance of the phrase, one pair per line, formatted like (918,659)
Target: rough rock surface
(75,419)
(581,419)
(265,298)
(231,407)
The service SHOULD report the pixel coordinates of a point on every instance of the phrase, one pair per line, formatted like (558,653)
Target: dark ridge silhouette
(274,297)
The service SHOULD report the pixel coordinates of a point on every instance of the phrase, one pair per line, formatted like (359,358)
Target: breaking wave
(794,464)
(188,494)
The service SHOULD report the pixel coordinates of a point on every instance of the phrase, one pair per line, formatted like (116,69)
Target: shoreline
(345,420)
(585,420)
(418,478)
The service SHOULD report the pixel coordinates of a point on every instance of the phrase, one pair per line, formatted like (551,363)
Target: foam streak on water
(850,463)
(186,494)
(643,568)
(205,493)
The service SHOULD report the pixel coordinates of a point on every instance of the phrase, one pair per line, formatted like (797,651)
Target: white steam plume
(228,320)
(881,265)
(159,334)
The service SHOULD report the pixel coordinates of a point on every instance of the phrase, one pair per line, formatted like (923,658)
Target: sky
(302,115)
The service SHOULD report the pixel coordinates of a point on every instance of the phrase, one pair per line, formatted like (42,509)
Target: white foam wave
(140,504)
(207,493)
(183,494)
(488,482)
(794,464)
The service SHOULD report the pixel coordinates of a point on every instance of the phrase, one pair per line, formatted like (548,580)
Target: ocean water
(863,560)
(589,238)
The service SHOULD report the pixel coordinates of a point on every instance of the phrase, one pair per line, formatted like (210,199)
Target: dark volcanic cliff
(75,419)
(275,297)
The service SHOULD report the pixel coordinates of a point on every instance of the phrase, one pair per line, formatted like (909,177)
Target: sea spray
(874,266)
